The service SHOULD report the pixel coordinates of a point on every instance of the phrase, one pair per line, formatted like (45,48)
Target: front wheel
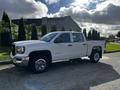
(39,65)
(95,57)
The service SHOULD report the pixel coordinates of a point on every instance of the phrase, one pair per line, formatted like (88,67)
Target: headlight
(20,49)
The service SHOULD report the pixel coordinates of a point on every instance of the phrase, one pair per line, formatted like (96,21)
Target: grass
(4,53)
(112,47)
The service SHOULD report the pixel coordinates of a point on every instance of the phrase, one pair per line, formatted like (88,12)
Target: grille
(13,49)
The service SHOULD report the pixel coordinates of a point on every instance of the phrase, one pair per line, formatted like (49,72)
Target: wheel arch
(46,53)
(97,48)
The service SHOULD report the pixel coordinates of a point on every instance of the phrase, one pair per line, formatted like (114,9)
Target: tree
(89,35)
(14,32)
(111,37)
(95,35)
(34,34)
(118,34)
(84,32)
(98,36)
(5,34)
(21,30)
(43,30)
(28,31)
(53,28)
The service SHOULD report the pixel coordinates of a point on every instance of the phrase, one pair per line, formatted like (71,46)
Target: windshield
(48,37)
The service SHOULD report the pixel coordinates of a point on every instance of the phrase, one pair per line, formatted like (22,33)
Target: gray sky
(101,14)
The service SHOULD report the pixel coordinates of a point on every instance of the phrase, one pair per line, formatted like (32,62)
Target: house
(58,22)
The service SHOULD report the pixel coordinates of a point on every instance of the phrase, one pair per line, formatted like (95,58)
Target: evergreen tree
(94,34)
(21,30)
(43,30)
(5,34)
(84,32)
(98,36)
(90,35)
(118,34)
(34,34)
(53,28)
(5,17)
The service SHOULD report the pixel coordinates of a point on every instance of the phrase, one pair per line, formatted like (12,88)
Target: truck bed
(93,43)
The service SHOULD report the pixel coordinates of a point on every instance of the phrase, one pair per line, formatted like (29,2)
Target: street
(76,75)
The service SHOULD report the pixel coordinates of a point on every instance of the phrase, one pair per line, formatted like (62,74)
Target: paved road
(79,75)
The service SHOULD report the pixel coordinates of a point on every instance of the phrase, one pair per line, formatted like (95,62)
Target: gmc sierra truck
(55,47)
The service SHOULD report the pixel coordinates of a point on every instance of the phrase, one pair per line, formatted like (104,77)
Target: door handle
(69,44)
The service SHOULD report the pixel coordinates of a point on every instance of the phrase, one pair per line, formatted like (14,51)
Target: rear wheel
(95,57)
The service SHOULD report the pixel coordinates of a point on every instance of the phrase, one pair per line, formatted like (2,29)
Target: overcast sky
(101,14)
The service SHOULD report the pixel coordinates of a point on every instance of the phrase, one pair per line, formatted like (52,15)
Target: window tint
(78,37)
(63,38)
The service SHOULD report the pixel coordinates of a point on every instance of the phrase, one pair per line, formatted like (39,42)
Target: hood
(28,42)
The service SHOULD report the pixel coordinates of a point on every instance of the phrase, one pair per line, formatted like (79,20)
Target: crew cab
(55,47)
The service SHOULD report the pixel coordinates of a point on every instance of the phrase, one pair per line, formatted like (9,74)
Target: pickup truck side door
(79,45)
(62,47)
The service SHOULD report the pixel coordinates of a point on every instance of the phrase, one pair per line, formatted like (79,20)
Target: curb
(111,51)
(5,62)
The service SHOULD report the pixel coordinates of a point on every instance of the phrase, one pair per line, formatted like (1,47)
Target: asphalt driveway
(78,75)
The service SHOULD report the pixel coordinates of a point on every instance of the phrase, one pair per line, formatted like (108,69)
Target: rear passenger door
(79,45)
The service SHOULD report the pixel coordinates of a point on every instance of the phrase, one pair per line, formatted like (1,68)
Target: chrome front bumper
(20,61)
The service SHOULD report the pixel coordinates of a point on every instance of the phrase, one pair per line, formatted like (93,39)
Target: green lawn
(4,53)
(112,47)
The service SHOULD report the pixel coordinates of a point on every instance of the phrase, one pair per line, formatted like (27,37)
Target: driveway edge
(111,51)
(5,62)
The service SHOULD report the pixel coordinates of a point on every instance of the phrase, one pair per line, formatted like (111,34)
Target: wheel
(38,64)
(95,57)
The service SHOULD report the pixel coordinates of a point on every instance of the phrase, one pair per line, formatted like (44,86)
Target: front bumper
(20,61)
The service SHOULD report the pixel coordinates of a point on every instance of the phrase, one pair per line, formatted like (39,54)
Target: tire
(95,57)
(38,64)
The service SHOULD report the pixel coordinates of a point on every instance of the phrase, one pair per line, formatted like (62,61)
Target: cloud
(25,8)
(110,14)
(51,1)
(105,16)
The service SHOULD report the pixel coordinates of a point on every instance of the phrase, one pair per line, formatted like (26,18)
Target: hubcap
(96,56)
(40,65)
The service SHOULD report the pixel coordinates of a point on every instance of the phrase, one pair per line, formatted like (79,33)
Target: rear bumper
(20,61)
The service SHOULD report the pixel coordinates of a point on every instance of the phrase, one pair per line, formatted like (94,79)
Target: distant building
(59,22)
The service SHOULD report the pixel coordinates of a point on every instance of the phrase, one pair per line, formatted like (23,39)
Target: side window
(77,37)
(63,38)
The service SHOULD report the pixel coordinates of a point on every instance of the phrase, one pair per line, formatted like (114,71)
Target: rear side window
(63,38)
(77,37)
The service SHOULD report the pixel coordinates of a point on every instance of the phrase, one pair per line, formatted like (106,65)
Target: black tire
(95,56)
(40,62)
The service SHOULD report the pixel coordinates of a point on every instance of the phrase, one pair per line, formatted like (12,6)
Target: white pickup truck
(55,47)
